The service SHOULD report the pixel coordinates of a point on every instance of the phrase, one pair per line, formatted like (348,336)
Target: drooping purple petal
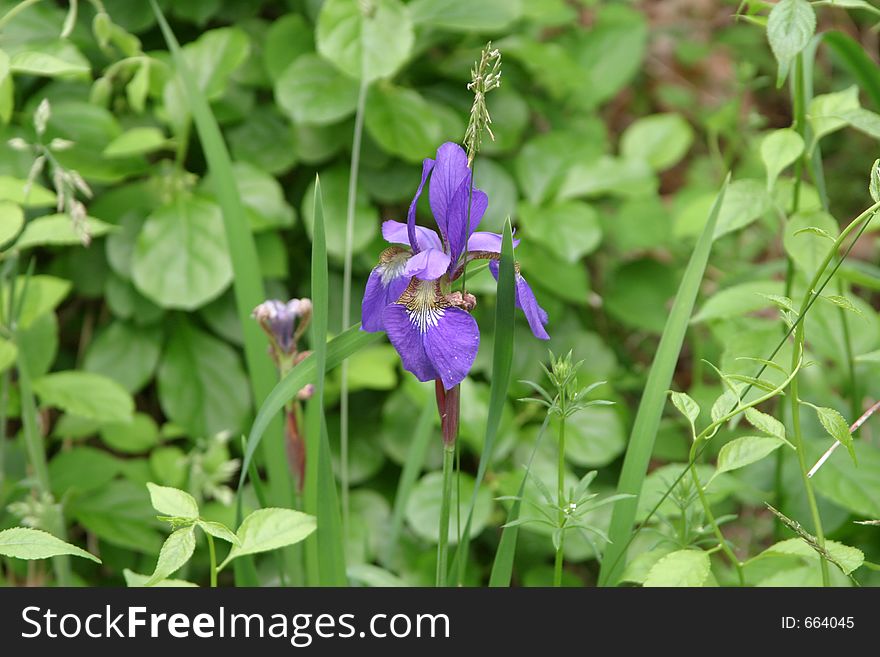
(427,265)
(398,233)
(407,340)
(386,283)
(450,170)
(451,345)
(489,242)
(457,220)
(427,166)
(526,301)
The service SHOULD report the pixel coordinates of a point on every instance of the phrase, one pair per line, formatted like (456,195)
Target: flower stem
(346,293)
(213,554)
(443,542)
(560,492)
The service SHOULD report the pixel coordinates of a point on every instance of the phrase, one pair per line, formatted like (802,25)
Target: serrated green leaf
(175,552)
(173,502)
(27,543)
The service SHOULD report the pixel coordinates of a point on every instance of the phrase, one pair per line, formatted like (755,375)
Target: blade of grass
(502,357)
(853,58)
(247,282)
(502,567)
(325,564)
(644,431)
(412,466)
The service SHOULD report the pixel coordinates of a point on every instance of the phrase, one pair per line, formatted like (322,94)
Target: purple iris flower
(409,295)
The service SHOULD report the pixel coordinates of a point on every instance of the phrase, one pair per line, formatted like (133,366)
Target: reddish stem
(448,405)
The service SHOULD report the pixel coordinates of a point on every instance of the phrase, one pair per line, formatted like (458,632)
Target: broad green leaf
(136,580)
(182,259)
(790,27)
(608,176)
(423,508)
(766,423)
(262,196)
(201,384)
(805,247)
(219,530)
(136,141)
(660,139)
(288,37)
(86,394)
(81,470)
(825,112)
(738,300)
(27,543)
(58,230)
(214,56)
(837,428)
(365,41)
(401,122)
(126,353)
(11,221)
(637,570)
(850,486)
(270,529)
(466,16)
(8,354)
(682,568)
(311,90)
(595,437)
(135,437)
(175,552)
(265,140)
(849,558)
(43,294)
(334,183)
(41,63)
(173,502)
(744,451)
(745,201)
(863,120)
(779,149)
(686,406)
(569,229)
(13,189)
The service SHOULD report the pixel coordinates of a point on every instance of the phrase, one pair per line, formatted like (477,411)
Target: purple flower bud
(284,323)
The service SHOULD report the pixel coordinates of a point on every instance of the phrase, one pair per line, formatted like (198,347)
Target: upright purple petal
(488,242)
(398,233)
(450,170)
(451,345)
(457,219)
(427,166)
(428,265)
(525,300)
(386,283)
(407,340)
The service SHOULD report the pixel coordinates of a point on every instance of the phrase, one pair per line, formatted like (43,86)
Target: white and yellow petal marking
(425,305)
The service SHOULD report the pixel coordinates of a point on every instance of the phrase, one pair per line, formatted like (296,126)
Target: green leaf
(126,353)
(175,552)
(288,37)
(41,63)
(686,406)
(58,230)
(842,302)
(136,141)
(214,56)
(173,502)
(136,580)
(365,41)
(270,529)
(219,530)
(27,543)
(569,229)
(182,259)
(86,394)
(262,197)
(680,568)
(650,411)
(766,423)
(11,221)
(43,294)
(423,509)
(201,384)
(825,112)
(738,300)
(836,427)
(660,139)
(466,16)
(852,56)
(745,201)
(8,354)
(311,90)
(334,183)
(874,181)
(790,27)
(744,451)
(848,558)
(807,247)
(851,487)
(401,122)
(12,189)
(779,149)
(135,437)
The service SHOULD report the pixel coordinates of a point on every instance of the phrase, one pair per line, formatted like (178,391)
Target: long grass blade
(502,358)
(325,563)
(853,58)
(644,431)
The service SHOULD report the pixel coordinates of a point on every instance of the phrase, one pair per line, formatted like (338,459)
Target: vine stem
(443,539)
(213,554)
(560,491)
(12,13)
(346,293)
(707,510)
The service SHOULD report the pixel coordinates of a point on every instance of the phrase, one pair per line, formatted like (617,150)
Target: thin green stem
(213,554)
(4,401)
(560,499)
(17,9)
(707,511)
(346,293)
(798,441)
(443,539)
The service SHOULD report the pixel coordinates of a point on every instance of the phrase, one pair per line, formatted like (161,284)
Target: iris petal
(427,167)
(386,283)
(398,233)
(452,344)
(428,265)
(451,168)
(407,340)
(491,242)
(457,219)
(526,301)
